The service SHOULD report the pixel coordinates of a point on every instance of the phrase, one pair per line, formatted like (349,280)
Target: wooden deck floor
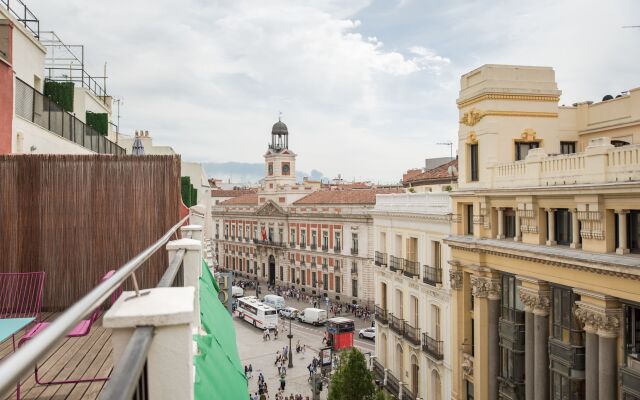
(89,356)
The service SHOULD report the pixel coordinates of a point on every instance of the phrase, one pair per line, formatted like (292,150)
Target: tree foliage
(352,380)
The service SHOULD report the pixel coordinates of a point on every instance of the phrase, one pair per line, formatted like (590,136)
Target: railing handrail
(12,368)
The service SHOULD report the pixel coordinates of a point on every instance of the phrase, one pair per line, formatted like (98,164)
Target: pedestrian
(246,372)
(250,371)
(282,382)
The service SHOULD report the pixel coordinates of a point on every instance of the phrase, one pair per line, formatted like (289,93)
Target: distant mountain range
(238,172)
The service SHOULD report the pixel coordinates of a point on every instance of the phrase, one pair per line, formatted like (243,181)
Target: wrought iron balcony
(325,266)
(314,246)
(233,237)
(354,251)
(337,249)
(303,263)
(226,237)
(412,334)
(397,324)
(378,370)
(380,258)
(393,385)
(433,347)
(630,379)
(303,246)
(292,245)
(313,264)
(381,315)
(411,268)
(396,263)
(325,247)
(431,275)
(269,243)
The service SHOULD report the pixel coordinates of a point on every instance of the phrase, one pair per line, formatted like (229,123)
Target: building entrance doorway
(272,270)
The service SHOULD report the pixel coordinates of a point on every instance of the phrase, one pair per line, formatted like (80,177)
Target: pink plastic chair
(81,329)
(21,295)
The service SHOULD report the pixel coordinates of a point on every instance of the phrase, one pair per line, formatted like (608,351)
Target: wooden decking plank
(96,369)
(88,358)
(71,363)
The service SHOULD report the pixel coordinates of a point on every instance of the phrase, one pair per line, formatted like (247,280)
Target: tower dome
(279,136)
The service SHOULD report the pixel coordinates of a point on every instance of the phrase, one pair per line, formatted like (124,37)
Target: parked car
(313,316)
(368,333)
(237,291)
(289,312)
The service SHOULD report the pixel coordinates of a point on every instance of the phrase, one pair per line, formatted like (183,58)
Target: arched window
(415,375)
(399,362)
(383,345)
(436,386)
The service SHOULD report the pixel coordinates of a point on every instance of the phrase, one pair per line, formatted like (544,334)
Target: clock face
(285,169)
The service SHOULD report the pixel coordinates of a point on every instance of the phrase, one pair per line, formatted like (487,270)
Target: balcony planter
(61,93)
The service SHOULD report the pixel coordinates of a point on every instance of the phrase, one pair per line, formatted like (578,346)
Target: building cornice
(506,96)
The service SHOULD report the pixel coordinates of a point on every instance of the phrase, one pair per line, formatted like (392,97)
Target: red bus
(340,332)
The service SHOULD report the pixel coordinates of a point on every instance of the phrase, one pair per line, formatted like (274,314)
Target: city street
(261,355)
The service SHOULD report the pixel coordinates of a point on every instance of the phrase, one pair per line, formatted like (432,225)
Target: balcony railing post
(170,369)
(195,230)
(191,267)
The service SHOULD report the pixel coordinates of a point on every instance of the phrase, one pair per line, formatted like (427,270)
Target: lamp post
(290,336)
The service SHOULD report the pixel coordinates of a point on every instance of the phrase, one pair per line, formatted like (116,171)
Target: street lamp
(290,336)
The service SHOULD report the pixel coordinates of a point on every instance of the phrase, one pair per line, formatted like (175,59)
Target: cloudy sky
(366,87)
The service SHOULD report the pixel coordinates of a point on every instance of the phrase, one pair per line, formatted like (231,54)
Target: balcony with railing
(412,334)
(40,110)
(397,324)
(314,246)
(325,247)
(396,263)
(630,379)
(378,370)
(411,268)
(337,248)
(380,258)
(435,348)
(292,244)
(393,384)
(407,394)
(354,251)
(381,315)
(354,271)
(269,243)
(431,275)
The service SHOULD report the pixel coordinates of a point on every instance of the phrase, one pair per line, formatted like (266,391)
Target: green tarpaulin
(219,372)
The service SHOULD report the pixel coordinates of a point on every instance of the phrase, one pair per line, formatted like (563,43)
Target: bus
(256,313)
(340,333)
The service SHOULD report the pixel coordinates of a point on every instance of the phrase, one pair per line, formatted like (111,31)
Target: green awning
(219,372)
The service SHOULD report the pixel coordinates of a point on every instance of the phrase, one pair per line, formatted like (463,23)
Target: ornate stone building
(546,227)
(413,350)
(305,235)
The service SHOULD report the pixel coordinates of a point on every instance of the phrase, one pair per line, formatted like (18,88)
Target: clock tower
(280,162)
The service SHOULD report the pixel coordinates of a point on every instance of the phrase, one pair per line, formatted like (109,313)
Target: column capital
(455,279)
(537,301)
(549,209)
(485,287)
(603,321)
(621,211)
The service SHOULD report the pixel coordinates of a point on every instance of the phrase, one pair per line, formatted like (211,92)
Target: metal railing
(44,112)
(432,347)
(314,246)
(431,275)
(269,243)
(28,355)
(337,249)
(412,333)
(381,315)
(380,258)
(411,268)
(397,324)
(325,247)
(22,13)
(393,384)
(396,263)
(354,251)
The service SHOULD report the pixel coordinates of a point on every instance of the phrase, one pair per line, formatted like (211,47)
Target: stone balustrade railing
(422,203)
(601,162)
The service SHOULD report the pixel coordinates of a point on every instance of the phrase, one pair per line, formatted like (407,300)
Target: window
(285,168)
(469,387)
(354,288)
(325,240)
(338,279)
(281,274)
(304,277)
(314,238)
(473,157)
(325,282)
(469,219)
(566,328)
(264,270)
(522,149)
(281,235)
(632,331)
(562,219)
(354,243)
(270,169)
(437,254)
(270,238)
(567,147)
(303,238)
(313,278)
(633,227)
(255,231)
(292,236)
(509,223)
(336,240)
(412,249)
(512,343)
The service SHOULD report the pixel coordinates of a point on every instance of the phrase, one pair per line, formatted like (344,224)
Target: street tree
(352,379)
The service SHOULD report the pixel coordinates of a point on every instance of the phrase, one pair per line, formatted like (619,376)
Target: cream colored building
(412,298)
(546,230)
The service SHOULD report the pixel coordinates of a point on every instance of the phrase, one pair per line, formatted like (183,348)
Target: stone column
(575,230)
(529,350)
(518,236)
(551,223)
(486,291)
(537,298)
(500,223)
(623,246)
(604,319)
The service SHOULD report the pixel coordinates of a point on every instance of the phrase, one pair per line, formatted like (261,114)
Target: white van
(274,301)
(237,291)
(315,316)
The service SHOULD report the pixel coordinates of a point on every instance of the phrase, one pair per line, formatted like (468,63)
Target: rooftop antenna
(279,116)
(450,144)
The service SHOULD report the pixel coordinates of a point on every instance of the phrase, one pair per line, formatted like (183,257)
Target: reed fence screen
(78,216)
